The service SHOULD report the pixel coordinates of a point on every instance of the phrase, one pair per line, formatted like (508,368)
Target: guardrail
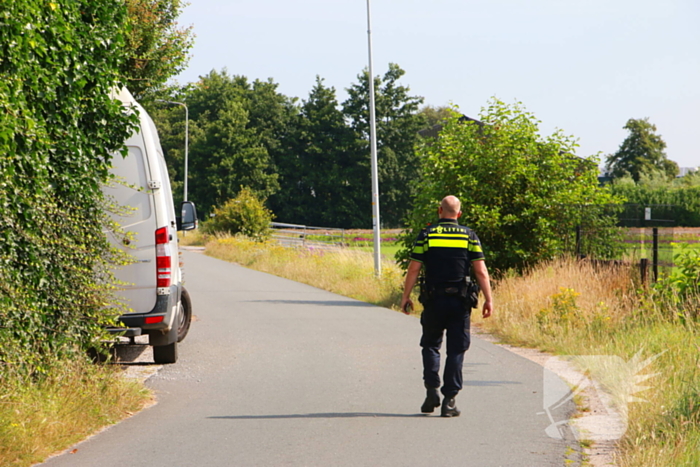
(304,235)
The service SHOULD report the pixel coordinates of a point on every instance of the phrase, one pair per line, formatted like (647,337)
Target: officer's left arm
(414,268)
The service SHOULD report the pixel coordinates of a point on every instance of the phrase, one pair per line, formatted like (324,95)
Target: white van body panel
(142,188)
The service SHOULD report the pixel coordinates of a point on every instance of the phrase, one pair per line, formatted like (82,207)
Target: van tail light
(154,319)
(164,268)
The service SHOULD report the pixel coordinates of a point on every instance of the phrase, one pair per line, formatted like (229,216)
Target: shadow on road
(136,361)
(316,415)
(316,302)
(489,383)
(132,354)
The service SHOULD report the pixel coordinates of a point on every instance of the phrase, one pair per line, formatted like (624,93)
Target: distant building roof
(435,129)
(683,171)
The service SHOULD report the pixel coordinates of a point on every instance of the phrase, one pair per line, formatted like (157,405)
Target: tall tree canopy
(523,193)
(237,128)
(642,152)
(398,123)
(323,175)
(435,115)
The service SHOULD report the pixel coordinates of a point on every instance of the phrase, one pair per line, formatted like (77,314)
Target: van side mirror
(188,219)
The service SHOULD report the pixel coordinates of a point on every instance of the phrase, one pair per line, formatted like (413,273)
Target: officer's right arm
(414,268)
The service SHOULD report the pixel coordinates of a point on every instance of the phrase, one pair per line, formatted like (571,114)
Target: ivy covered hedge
(58,127)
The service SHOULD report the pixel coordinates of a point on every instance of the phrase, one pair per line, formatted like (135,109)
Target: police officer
(447,250)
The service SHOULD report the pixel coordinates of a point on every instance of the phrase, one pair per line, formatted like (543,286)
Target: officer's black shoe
(432,400)
(449,408)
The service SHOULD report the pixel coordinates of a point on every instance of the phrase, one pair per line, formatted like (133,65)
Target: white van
(152,285)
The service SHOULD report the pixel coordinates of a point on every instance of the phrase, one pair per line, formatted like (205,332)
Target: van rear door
(138,220)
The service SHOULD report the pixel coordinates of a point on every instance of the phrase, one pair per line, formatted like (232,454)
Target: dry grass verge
(44,416)
(561,300)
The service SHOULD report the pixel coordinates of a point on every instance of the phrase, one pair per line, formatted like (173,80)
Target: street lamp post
(187,132)
(373,151)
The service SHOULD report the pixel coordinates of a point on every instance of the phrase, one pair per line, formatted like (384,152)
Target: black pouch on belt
(467,290)
(452,288)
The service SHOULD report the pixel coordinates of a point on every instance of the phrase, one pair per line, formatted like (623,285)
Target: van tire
(184,318)
(163,354)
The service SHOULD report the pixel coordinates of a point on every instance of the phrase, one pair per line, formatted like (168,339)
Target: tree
(226,156)
(643,151)
(523,193)
(324,180)
(156,47)
(270,113)
(398,123)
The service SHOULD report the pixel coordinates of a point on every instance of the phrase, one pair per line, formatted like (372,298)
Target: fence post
(644,270)
(655,254)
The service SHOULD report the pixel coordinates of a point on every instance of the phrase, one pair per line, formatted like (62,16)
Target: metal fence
(649,215)
(304,235)
(643,235)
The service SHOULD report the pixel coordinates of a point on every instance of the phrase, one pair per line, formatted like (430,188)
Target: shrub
(245,214)
(563,312)
(677,295)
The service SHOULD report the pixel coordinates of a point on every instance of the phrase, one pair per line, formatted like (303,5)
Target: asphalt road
(277,373)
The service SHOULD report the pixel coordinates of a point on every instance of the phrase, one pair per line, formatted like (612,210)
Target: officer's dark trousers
(445,313)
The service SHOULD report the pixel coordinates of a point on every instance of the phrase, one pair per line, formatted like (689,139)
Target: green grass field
(363,240)
(388,251)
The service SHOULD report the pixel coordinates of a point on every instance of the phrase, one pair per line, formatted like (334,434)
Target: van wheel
(184,316)
(165,353)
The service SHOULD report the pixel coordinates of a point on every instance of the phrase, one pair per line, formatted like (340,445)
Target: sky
(582,66)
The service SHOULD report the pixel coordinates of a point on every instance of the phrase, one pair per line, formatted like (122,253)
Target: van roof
(123,95)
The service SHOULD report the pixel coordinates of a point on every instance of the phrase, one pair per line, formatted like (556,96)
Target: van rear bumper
(165,308)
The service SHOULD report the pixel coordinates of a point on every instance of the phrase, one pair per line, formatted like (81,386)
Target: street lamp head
(171,102)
